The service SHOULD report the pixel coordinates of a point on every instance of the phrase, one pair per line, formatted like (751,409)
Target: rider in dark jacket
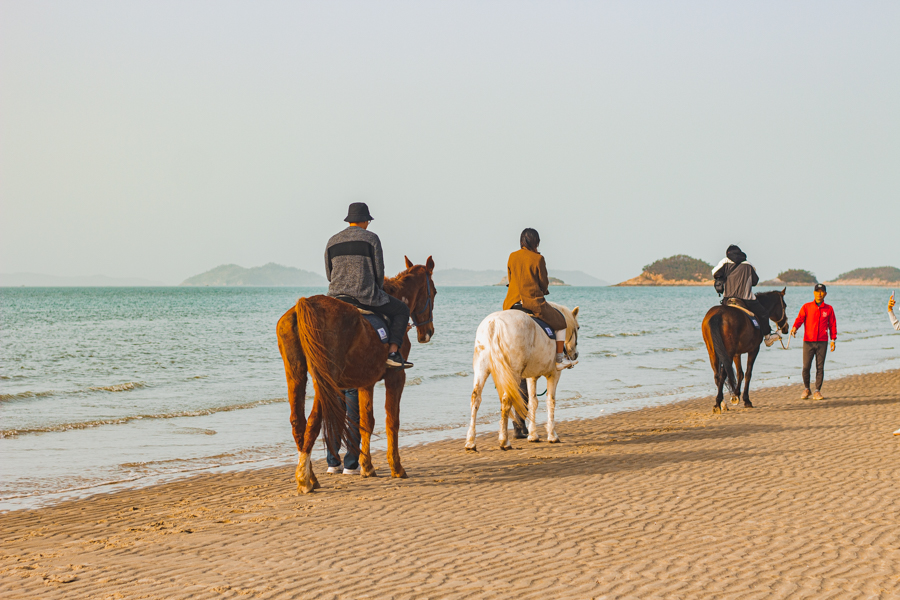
(735,278)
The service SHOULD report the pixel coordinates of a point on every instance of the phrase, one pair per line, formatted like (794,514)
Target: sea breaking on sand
(790,499)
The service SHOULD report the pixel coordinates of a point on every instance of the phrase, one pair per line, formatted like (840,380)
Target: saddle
(379,322)
(739,304)
(547,329)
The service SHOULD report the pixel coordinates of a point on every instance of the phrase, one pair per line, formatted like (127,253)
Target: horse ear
(429,265)
(408,262)
(783,290)
(575,312)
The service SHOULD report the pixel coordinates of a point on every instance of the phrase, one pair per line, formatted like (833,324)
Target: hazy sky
(160,139)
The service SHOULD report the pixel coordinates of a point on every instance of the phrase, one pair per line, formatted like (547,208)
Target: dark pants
(351,457)
(819,350)
(398,313)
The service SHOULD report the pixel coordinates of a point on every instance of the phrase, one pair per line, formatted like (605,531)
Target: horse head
(421,291)
(572,328)
(775,304)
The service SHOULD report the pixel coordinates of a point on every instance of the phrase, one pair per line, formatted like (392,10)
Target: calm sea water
(103,388)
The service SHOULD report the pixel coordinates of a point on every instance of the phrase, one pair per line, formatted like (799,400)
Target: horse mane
(393,285)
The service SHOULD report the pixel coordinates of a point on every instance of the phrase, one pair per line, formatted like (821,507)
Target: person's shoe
(396,361)
(333,470)
(355,471)
(804,395)
(772,338)
(564,362)
(897,432)
(818,396)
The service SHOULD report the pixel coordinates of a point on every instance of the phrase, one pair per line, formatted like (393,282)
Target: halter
(428,305)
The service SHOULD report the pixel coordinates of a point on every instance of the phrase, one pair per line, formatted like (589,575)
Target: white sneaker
(333,470)
(565,363)
(772,338)
(355,471)
(897,432)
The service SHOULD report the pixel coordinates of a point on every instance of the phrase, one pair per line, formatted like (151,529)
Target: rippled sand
(791,499)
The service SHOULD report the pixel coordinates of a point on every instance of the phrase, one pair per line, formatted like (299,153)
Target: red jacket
(818,321)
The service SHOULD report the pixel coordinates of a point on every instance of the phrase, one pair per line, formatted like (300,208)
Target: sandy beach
(792,499)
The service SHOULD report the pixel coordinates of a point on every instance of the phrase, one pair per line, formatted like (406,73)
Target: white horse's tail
(505,379)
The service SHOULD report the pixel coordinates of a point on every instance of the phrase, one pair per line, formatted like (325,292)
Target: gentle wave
(622,334)
(5,433)
(119,387)
(444,375)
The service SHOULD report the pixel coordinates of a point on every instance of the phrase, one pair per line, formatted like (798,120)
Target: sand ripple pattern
(793,499)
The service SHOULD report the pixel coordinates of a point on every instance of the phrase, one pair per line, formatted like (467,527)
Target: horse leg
(296,372)
(366,427)
(306,479)
(393,387)
(751,358)
(739,370)
(532,410)
(551,408)
(482,369)
(505,406)
(720,383)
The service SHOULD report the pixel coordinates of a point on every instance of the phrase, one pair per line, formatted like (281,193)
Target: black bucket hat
(358,213)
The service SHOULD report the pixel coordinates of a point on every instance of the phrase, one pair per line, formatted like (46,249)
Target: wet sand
(792,499)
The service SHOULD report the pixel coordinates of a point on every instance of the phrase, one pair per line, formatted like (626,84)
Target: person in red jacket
(818,321)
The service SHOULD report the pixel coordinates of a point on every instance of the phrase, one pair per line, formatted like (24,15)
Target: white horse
(510,346)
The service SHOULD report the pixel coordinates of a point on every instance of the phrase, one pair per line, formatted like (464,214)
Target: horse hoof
(305,488)
(747,404)
(506,448)
(717,410)
(369,473)
(472,449)
(555,441)
(735,399)
(535,439)
(401,475)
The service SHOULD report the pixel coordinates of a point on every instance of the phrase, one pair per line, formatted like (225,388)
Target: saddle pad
(547,329)
(748,312)
(381,328)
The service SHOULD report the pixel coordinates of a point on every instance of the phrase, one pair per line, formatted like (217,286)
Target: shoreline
(791,497)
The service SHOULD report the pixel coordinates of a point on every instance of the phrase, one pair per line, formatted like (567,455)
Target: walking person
(351,456)
(896,323)
(818,320)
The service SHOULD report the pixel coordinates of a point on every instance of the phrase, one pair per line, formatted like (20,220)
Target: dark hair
(530,239)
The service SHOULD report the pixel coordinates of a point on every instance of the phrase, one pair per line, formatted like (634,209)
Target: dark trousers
(398,313)
(351,457)
(819,350)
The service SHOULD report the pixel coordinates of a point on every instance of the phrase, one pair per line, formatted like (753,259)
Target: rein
(428,305)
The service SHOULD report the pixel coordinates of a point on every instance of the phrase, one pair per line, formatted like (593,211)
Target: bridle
(429,305)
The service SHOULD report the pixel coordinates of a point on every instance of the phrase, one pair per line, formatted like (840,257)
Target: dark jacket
(528,284)
(739,277)
(354,266)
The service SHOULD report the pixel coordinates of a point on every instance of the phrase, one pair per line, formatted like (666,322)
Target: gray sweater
(354,266)
(740,279)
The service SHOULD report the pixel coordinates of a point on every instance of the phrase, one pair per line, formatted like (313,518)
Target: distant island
(466,277)
(272,274)
(792,277)
(874,276)
(675,270)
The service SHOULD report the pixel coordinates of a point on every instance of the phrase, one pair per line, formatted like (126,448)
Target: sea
(103,389)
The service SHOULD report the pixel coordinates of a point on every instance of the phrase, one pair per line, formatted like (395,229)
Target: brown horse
(728,333)
(331,340)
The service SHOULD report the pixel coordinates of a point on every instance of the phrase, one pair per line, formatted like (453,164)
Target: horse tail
(329,395)
(505,379)
(723,360)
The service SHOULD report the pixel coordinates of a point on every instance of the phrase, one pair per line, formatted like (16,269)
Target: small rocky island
(873,276)
(675,270)
(792,277)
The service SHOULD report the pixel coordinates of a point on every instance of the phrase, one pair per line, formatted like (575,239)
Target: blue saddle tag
(382,334)
(755,324)
(549,331)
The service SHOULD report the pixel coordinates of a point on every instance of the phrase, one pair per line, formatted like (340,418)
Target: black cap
(820,287)
(358,213)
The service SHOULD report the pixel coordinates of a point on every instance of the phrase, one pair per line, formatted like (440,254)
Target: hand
(891,303)
(793,331)
(832,345)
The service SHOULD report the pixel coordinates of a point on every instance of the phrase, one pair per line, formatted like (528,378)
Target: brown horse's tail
(328,394)
(723,359)
(506,381)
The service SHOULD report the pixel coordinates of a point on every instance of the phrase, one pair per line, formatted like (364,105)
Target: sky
(161,139)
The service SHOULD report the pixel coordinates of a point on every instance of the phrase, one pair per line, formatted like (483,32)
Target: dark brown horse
(331,340)
(728,333)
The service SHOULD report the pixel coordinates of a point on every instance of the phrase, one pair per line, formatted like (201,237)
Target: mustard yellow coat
(528,284)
